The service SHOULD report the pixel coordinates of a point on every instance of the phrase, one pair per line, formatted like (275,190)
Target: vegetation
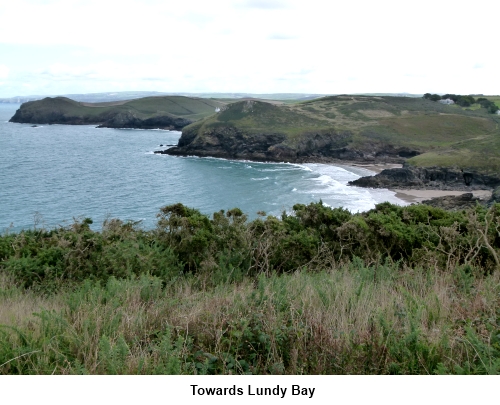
(488,104)
(395,290)
(465,101)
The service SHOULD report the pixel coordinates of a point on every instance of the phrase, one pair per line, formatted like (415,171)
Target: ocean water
(53,174)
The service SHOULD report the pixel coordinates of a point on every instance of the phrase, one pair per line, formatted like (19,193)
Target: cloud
(197,18)
(278,36)
(265,4)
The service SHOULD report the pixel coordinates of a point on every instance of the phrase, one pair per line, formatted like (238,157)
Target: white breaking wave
(331,186)
(282,169)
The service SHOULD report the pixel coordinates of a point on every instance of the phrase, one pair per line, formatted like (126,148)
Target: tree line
(464,101)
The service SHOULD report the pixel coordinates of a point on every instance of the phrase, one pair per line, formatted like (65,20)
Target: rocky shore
(128,120)
(436,186)
(432,178)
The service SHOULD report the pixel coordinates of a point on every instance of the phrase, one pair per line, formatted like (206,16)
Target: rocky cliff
(441,178)
(127,119)
(321,146)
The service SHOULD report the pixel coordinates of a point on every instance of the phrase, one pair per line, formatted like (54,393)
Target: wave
(304,167)
(277,170)
(259,179)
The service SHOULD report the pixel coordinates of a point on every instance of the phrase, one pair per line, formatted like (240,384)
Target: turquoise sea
(51,174)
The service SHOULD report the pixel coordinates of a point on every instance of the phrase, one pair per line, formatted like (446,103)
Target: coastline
(410,195)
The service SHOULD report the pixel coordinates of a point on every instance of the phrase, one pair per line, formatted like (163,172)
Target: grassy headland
(174,111)
(365,128)
(396,290)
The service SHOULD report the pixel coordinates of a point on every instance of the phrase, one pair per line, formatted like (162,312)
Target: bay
(53,174)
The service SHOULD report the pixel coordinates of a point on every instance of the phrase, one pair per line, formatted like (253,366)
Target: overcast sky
(254,46)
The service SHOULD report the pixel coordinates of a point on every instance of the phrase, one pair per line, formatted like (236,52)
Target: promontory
(166,112)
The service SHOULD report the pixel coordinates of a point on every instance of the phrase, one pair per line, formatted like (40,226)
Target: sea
(52,175)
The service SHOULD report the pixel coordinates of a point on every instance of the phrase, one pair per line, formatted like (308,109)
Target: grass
(436,130)
(335,321)
(479,153)
(396,290)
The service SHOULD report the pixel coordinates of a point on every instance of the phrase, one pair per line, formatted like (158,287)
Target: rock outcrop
(428,178)
(128,120)
(229,142)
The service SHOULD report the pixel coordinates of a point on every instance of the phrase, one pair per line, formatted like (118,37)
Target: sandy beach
(376,167)
(416,196)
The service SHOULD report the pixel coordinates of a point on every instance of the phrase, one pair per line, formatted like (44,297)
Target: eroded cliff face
(228,142)
(441,178)
(327,145)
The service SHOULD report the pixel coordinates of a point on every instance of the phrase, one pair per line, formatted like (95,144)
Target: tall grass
(349,320)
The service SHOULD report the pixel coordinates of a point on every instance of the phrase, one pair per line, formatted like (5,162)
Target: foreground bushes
(393,290)
(185,241)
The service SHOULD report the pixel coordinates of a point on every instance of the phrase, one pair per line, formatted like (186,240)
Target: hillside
(168,112)
(355,128)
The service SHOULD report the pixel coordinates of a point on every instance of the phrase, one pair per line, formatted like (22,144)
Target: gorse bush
(186,241)
(395,290)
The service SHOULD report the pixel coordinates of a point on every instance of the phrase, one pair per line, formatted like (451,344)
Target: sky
(50,47)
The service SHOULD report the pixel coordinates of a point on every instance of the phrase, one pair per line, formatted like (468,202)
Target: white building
(447,101)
